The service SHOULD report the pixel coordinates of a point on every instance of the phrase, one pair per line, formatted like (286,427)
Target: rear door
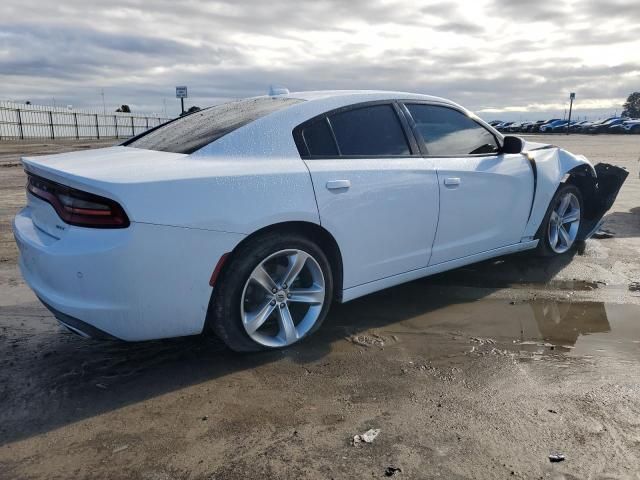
(376,194)
(485,196)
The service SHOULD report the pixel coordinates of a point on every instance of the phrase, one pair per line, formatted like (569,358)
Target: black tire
(544,248)
(224,315)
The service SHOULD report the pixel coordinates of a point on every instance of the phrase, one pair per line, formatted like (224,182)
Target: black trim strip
(534,170)
(79,325)
(333,135)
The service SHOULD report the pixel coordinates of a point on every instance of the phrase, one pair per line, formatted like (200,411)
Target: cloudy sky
(500,58)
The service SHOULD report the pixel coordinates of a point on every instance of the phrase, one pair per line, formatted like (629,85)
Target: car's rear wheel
(559,229)
(276,290)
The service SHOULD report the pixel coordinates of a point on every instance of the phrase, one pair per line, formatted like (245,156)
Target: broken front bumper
(599,193)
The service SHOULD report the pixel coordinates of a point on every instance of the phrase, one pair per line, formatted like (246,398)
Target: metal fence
(19,121)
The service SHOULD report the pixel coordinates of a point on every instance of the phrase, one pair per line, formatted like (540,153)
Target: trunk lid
(108,172)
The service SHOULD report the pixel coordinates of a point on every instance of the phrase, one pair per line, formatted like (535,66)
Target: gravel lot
(479,373)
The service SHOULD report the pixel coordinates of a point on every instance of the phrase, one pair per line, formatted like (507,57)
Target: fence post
(53,133)
(97,128)
(115,122)
(75,120)
(20,124)
(147,119)
(133,131)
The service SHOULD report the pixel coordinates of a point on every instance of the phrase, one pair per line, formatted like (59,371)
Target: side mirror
(512,144)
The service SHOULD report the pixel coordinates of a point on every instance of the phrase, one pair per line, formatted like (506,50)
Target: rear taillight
(76,207)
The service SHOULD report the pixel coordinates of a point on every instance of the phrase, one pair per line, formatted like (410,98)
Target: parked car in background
(577,127)
(493,123)
(536,128)
(617,128)
(501,127)
(632,126)
(523,126)
(531,125)
(514,127)
(586,126)
(548,127)
(562,128)
(620,128)
(603,127)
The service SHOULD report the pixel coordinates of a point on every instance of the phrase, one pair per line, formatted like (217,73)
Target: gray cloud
(524,11)
(139,51)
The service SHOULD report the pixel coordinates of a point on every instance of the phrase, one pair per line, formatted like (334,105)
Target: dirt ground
(479,373)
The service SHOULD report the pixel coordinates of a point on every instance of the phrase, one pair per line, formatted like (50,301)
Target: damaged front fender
(553,166)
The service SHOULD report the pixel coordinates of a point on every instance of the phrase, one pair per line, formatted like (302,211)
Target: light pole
(572,96)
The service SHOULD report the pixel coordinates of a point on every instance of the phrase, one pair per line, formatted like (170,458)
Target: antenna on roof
(275,90)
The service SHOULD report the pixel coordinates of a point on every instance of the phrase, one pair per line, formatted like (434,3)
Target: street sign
(572,95)
(181,92)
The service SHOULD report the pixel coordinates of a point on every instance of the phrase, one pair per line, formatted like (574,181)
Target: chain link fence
(19,121)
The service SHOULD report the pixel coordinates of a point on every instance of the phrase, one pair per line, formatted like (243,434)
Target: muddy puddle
(515,272)
(586,329)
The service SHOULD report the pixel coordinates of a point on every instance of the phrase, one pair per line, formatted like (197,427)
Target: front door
(485,196)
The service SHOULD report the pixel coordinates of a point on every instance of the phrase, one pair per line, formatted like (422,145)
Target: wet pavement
(482,372)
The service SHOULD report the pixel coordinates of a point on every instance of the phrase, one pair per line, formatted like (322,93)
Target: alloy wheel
(564,223)
(283,298)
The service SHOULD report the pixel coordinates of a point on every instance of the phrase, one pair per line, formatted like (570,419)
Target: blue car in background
(631,126)
(537,127)
(548,127)
(603,127)
(562,128)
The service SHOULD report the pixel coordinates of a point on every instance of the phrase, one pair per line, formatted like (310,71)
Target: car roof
(353,96)
(319,102)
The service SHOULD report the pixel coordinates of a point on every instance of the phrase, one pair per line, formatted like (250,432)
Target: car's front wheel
(559,229)
(276,290)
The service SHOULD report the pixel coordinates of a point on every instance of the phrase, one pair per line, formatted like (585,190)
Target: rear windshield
(194,131)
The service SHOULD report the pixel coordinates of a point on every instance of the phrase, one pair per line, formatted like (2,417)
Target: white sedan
(250,218)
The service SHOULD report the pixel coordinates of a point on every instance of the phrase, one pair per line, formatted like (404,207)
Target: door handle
(338,184)
(452,181)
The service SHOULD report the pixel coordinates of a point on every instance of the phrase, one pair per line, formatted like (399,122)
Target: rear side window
(194,131)
(448,132)
(319,139)
(369,131)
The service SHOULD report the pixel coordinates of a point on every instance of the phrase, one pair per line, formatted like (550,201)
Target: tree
(191,110)
(124,109)
(631,108)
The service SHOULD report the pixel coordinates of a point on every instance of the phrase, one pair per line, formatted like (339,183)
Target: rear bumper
(139,283)
(78,326)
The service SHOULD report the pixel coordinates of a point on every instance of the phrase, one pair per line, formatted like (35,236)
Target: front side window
(194,131)
(369,131)
(448,132)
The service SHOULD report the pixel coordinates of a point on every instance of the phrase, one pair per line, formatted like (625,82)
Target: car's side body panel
(385,221)
(485,208)
(365,289)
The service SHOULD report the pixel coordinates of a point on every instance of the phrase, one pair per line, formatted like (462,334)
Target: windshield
(194,131)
